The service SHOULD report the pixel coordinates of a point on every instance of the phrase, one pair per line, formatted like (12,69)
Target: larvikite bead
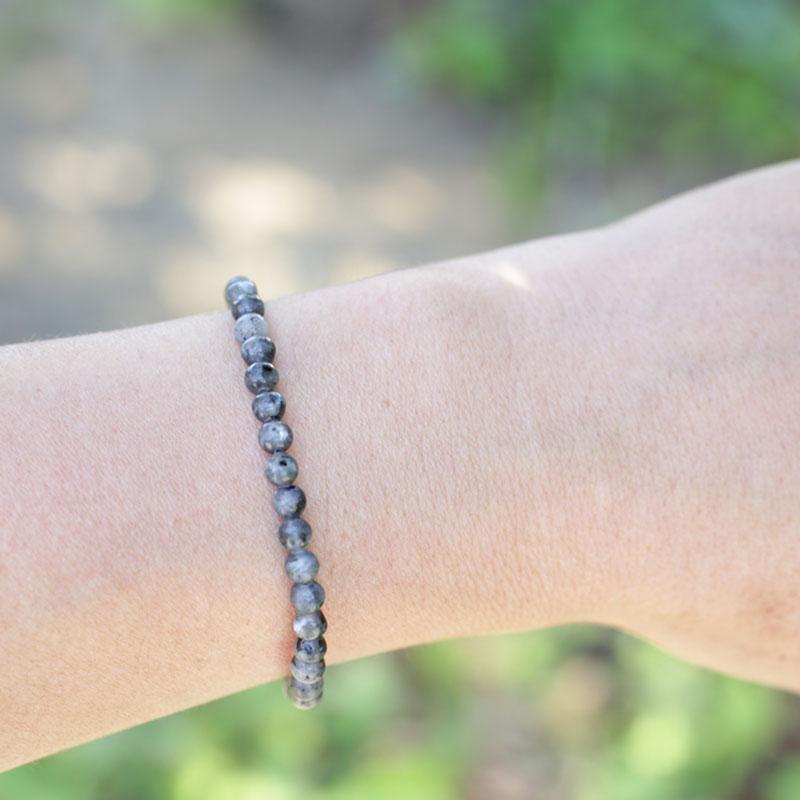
(248,326)
(307,597)
(268,405)
(305,690)
(294,532)
(247,304)
(281,469)
(257,348)
(310,650)
(304,695)
(289,501)
(275,436)
(260,377)
(305,705)
(302,567)
(238,286)
(306,672)
(310,626)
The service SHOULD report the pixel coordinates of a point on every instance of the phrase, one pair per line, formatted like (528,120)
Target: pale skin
(601,427)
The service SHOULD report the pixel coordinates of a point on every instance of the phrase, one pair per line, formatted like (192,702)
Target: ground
(140,168)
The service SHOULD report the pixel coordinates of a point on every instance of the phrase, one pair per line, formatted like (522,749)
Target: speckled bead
(305,690)
(304,695)
(305,705)
(305,672)
(247,304)
(238,286)
(302,567)
(281,469)
(268,405)
(275,436)
(310,626)
(248,326)
(310,651)
(257,348)
(294,532)
(307,597)
(260,377)
(289,501)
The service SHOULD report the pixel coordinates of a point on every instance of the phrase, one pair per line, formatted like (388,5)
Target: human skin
(599,427)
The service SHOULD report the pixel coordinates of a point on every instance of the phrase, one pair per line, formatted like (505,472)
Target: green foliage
(609,85)
(580,713)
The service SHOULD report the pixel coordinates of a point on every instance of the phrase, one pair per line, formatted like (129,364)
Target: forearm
(598,427)
(141,568)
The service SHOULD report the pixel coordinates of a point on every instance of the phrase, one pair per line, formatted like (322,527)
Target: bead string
(304,686)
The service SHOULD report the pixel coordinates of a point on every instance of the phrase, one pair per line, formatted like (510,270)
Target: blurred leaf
(582,89)
(414,775)
(784,783)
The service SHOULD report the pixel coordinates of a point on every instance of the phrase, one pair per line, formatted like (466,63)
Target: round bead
(238,286)
(275,436)
(257,348)
(303,672)
(302,567)
(310,650)
(260,377)
(268,405)
(307,597)
(310,626)
(289,501)
(248,326)
(294,532)
(281,469)
(306,705)
(247,304)
(304,695)
(305,690)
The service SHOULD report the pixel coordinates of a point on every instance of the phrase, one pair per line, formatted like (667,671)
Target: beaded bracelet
(304,686)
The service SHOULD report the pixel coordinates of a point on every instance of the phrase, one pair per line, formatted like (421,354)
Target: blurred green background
(151,148)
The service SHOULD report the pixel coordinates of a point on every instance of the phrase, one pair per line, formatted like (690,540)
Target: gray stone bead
(289,501)
(238,286)
(257,348)
(302,567)
(303,672)
(268,405)
(275,436)
(307,597)
(306,690)
(260,377)
(310,626)
(248,326)
(294,532)
(306,705)
(310,651)
(304,696)
(281,469)
(247,304)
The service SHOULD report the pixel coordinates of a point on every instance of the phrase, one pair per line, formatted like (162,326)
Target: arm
(600,427)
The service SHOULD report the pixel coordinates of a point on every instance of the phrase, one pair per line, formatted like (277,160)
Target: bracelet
(304,686)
